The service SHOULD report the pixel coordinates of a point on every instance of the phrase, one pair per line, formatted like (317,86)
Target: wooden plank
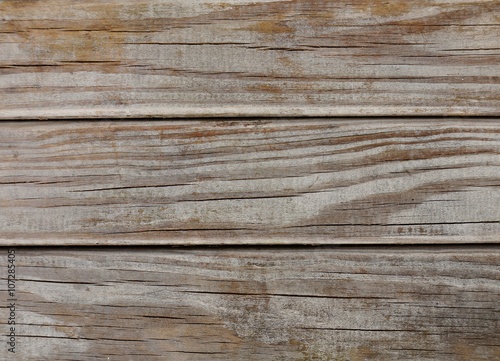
(185,58)
(244,304)
(250,182)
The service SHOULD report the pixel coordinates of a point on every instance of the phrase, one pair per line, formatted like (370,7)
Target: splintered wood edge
(88,241)
(144,113)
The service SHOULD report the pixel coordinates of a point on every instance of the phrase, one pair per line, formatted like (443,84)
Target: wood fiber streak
(243,304)
(250,182)
(185,58)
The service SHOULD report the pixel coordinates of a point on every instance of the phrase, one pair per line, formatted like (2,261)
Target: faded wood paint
(250,182)
(310,304)
(185,58)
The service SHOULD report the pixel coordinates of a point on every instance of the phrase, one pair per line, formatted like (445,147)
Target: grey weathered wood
(242,304)
(253,182)
(128,58)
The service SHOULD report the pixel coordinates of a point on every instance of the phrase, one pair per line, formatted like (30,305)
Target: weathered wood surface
(326,304)
(129,58)
(253,182)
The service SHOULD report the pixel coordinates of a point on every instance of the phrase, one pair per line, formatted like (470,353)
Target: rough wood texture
(240,304)
(129,58)
(258,182)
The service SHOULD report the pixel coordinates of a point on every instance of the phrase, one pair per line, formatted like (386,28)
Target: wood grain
(312,304)
(250,182)
(185,58)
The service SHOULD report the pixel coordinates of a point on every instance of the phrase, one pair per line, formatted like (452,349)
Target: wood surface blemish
(388,8)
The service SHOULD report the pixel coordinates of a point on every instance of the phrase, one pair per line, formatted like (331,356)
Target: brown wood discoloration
(248,304)
(61,59)
(251,182)
(391,8)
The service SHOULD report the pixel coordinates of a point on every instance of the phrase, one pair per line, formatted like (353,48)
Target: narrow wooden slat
(250,182)
(129,58)
(242,304)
